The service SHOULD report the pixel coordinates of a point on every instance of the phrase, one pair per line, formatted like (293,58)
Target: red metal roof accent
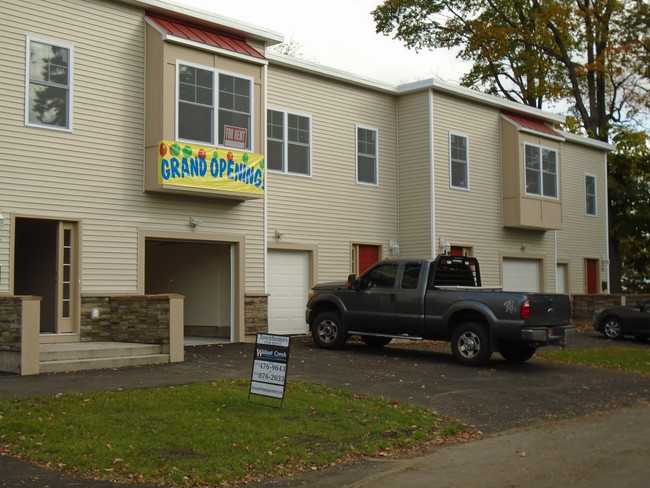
(532,124)
(206,36)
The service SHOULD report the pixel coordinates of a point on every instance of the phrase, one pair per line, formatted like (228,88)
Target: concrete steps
(59,357)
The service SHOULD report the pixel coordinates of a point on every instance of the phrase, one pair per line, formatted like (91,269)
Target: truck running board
(374,334)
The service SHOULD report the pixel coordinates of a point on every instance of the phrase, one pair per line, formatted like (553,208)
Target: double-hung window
(214,107)
(367,151)
(541,171)
(459,161)
(288,142)
(590,195)
(48,97)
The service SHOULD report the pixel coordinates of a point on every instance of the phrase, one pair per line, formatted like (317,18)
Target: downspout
(432,179)
(266,181)
(606,263)
(555,257)
(398,170)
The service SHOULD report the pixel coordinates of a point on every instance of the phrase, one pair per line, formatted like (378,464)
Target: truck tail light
(524,313)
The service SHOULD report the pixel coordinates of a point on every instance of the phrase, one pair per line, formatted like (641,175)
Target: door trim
(71,331)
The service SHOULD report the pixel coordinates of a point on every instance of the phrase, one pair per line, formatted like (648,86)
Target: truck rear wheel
(516,351)
(328,331)
(470,344)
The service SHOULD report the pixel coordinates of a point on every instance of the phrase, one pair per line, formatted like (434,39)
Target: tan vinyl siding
(473,218)
(583,236)
(415,175)
(94,173)
(329,208)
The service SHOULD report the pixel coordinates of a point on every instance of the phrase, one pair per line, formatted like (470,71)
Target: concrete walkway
(604,451)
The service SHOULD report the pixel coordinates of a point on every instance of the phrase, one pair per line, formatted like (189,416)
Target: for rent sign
(270,361)
(235,137)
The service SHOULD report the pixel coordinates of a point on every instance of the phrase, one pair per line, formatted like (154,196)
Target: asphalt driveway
(499,399)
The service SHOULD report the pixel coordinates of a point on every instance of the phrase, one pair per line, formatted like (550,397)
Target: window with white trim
(367,150)
(590,195)
(48,100)
(541,171)
(214,107)
(288,143)
(458,161)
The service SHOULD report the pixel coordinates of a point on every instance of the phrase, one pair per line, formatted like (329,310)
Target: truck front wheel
(328,331)
(470,344)
(516,351)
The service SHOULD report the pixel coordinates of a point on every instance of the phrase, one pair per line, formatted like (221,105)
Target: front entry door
(367,255)
(591,276)
(46,264)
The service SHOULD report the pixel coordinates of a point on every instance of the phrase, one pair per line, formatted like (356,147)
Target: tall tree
(594,54)
(629,197)
(590,55)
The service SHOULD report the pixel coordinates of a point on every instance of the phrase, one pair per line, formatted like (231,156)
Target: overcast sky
(340,34)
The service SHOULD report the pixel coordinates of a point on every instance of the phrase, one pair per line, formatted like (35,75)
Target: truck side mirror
(353,282)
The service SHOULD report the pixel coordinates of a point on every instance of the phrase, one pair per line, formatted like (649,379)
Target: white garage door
(288,278)
(521,274)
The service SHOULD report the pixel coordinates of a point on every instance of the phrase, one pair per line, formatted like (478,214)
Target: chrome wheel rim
(327,331)
(612,328)
(469,344)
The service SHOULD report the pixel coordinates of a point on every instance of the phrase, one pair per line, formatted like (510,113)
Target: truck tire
(516,352)
(328,331)
(376,341)
(470,344)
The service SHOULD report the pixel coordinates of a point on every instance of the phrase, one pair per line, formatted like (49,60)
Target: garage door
(521,274)
(288,278)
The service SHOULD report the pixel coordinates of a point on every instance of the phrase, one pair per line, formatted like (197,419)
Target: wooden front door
(367,255)
(591,276)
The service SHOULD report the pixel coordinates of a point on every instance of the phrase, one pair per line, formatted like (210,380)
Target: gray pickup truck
(441,299)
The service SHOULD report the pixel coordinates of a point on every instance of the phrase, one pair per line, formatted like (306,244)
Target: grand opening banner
(210,168)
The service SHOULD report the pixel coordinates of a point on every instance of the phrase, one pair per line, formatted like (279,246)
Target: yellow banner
(211,168)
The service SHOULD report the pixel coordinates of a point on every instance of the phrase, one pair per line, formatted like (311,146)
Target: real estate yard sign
(270,362)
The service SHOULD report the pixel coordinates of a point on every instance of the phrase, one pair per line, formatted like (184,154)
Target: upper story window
(459,161)
(49,85)
(288,142)
(367,150)
(541,171)
(214,107)
(590,195)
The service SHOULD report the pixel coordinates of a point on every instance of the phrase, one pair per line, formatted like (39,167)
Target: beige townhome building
(165,177)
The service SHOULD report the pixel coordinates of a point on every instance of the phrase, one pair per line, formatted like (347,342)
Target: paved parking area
(500,398)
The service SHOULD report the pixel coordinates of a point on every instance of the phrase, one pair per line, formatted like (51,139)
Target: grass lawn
(210,434)
(624,358)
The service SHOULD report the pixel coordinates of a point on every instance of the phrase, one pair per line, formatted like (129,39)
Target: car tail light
(524,313)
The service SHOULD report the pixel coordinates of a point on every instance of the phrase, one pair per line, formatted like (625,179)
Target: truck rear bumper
(548,334)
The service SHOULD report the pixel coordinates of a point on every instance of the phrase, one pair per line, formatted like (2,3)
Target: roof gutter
(209,19)
(429,84)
